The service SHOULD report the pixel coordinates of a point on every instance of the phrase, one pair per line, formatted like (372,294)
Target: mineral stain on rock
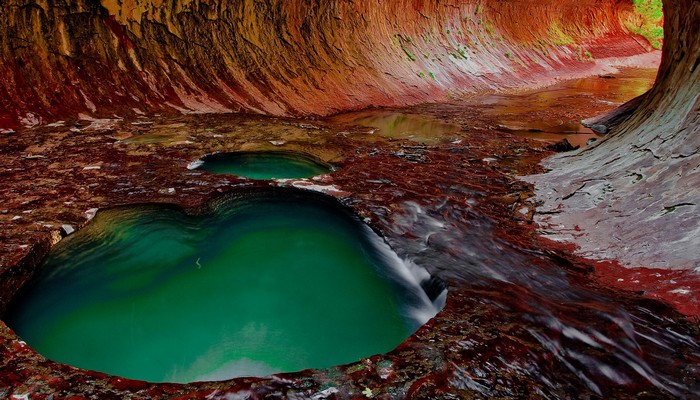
(288,58)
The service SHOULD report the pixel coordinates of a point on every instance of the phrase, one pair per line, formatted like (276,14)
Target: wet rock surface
(634,197)
(524,317)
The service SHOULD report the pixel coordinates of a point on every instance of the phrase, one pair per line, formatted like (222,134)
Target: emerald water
(262,165)
(268,282)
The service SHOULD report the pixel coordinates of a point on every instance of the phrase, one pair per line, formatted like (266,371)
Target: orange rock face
(287,58)
(634,196)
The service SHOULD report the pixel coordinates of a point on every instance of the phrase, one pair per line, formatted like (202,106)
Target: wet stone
(525,311)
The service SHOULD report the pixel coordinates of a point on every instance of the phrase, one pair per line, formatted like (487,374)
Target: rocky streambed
(524,316)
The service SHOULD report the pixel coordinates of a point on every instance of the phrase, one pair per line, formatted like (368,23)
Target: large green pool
(266,282)
(263,165)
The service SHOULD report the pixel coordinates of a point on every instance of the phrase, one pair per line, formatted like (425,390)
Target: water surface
(270,282)
(395,125)
(263,165)
(526,114)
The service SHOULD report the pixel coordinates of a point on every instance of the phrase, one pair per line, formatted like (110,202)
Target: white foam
(238,368)
(409,275)
(195,164)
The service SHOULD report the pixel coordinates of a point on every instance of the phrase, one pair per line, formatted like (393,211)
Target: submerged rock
(562,146)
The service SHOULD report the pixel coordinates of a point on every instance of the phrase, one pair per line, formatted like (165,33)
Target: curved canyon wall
(288,58)
(122,58)
(635,197)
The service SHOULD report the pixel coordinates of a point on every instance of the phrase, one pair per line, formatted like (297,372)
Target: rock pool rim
(201,162)
(433,287)
(38,253)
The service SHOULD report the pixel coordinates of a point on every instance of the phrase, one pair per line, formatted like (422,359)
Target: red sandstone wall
(281,57)
(635,197)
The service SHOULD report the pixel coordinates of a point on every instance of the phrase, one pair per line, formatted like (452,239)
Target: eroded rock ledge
(635,197)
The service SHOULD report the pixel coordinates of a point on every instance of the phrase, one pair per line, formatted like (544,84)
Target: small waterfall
(427,295)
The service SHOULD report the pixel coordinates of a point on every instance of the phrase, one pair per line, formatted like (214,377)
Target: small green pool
(270,281)
(263,165)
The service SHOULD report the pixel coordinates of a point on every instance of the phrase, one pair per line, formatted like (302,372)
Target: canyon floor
(524,316)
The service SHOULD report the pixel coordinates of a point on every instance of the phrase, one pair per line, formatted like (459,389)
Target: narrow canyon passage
(183,106)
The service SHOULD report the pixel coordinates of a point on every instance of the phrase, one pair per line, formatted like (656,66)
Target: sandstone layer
(635,196)
(288,58)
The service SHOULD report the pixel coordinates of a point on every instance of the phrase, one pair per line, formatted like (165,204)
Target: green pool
(263,165)
(270,281)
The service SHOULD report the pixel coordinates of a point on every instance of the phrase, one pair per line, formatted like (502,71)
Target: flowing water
(268,282)
(520,113)
(599,342)
(262,165)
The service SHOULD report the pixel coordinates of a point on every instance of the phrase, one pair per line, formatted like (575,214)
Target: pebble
(66,229)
